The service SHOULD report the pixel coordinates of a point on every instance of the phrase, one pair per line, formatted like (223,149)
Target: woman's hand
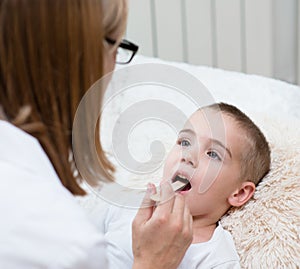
(161,235)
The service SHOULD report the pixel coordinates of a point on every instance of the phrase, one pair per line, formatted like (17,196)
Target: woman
(51,52)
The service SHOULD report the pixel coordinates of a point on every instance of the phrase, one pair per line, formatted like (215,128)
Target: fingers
(163,240)
(181,214)
(188,220)
(166,193)
(167,200)
(183,218)
(179,206)
(146,209)
(181,210)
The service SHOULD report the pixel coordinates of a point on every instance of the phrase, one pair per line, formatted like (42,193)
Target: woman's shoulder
(10,133)
(23,151)
(40,211)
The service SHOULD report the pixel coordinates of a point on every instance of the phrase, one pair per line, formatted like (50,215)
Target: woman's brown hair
(50,54)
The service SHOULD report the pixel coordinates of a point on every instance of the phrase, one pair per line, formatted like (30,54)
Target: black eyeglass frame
(124,44)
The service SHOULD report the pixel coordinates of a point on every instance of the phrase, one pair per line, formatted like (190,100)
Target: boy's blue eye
(213,155)
(185,143)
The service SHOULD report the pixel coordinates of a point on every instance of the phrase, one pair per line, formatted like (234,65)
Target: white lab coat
(41,225)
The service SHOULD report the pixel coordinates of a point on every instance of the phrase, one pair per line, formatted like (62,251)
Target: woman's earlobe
(242,195)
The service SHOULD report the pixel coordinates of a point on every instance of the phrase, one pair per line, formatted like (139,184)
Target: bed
(265,230)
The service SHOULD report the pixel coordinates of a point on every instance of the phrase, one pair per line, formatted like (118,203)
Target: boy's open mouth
(184,180)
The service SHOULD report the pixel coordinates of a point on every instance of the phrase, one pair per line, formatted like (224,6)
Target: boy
(221,155)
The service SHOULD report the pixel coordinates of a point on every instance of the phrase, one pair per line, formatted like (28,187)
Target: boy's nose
(188,159)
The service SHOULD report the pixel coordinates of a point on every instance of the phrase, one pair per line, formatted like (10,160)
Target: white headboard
(252,36)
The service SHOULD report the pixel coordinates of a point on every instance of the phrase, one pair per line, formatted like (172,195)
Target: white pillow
(41,224)
(266,229)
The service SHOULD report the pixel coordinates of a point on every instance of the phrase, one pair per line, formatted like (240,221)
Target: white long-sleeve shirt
(41,226)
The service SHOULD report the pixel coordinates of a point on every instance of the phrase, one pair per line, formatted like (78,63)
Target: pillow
(248,92)
(266,229)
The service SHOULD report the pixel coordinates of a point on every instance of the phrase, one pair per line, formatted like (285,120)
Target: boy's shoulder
(219,251)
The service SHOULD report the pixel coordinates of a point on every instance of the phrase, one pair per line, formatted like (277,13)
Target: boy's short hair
(255,162)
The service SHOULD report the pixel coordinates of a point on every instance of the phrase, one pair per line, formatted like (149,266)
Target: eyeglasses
(126,50)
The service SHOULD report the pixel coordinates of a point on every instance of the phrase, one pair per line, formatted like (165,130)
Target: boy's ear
(242,195)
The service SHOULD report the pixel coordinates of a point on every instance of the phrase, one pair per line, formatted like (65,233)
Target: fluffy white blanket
(266,229)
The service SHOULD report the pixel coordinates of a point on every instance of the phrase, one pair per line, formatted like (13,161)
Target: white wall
(285,40)
(253,36)
(298,37)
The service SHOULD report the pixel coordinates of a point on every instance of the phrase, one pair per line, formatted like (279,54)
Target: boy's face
(207,153)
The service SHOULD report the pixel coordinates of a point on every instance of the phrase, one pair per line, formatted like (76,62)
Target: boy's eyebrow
(215,141)
(187,131)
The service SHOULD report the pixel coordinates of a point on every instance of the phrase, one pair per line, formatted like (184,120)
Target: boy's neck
(203,230)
